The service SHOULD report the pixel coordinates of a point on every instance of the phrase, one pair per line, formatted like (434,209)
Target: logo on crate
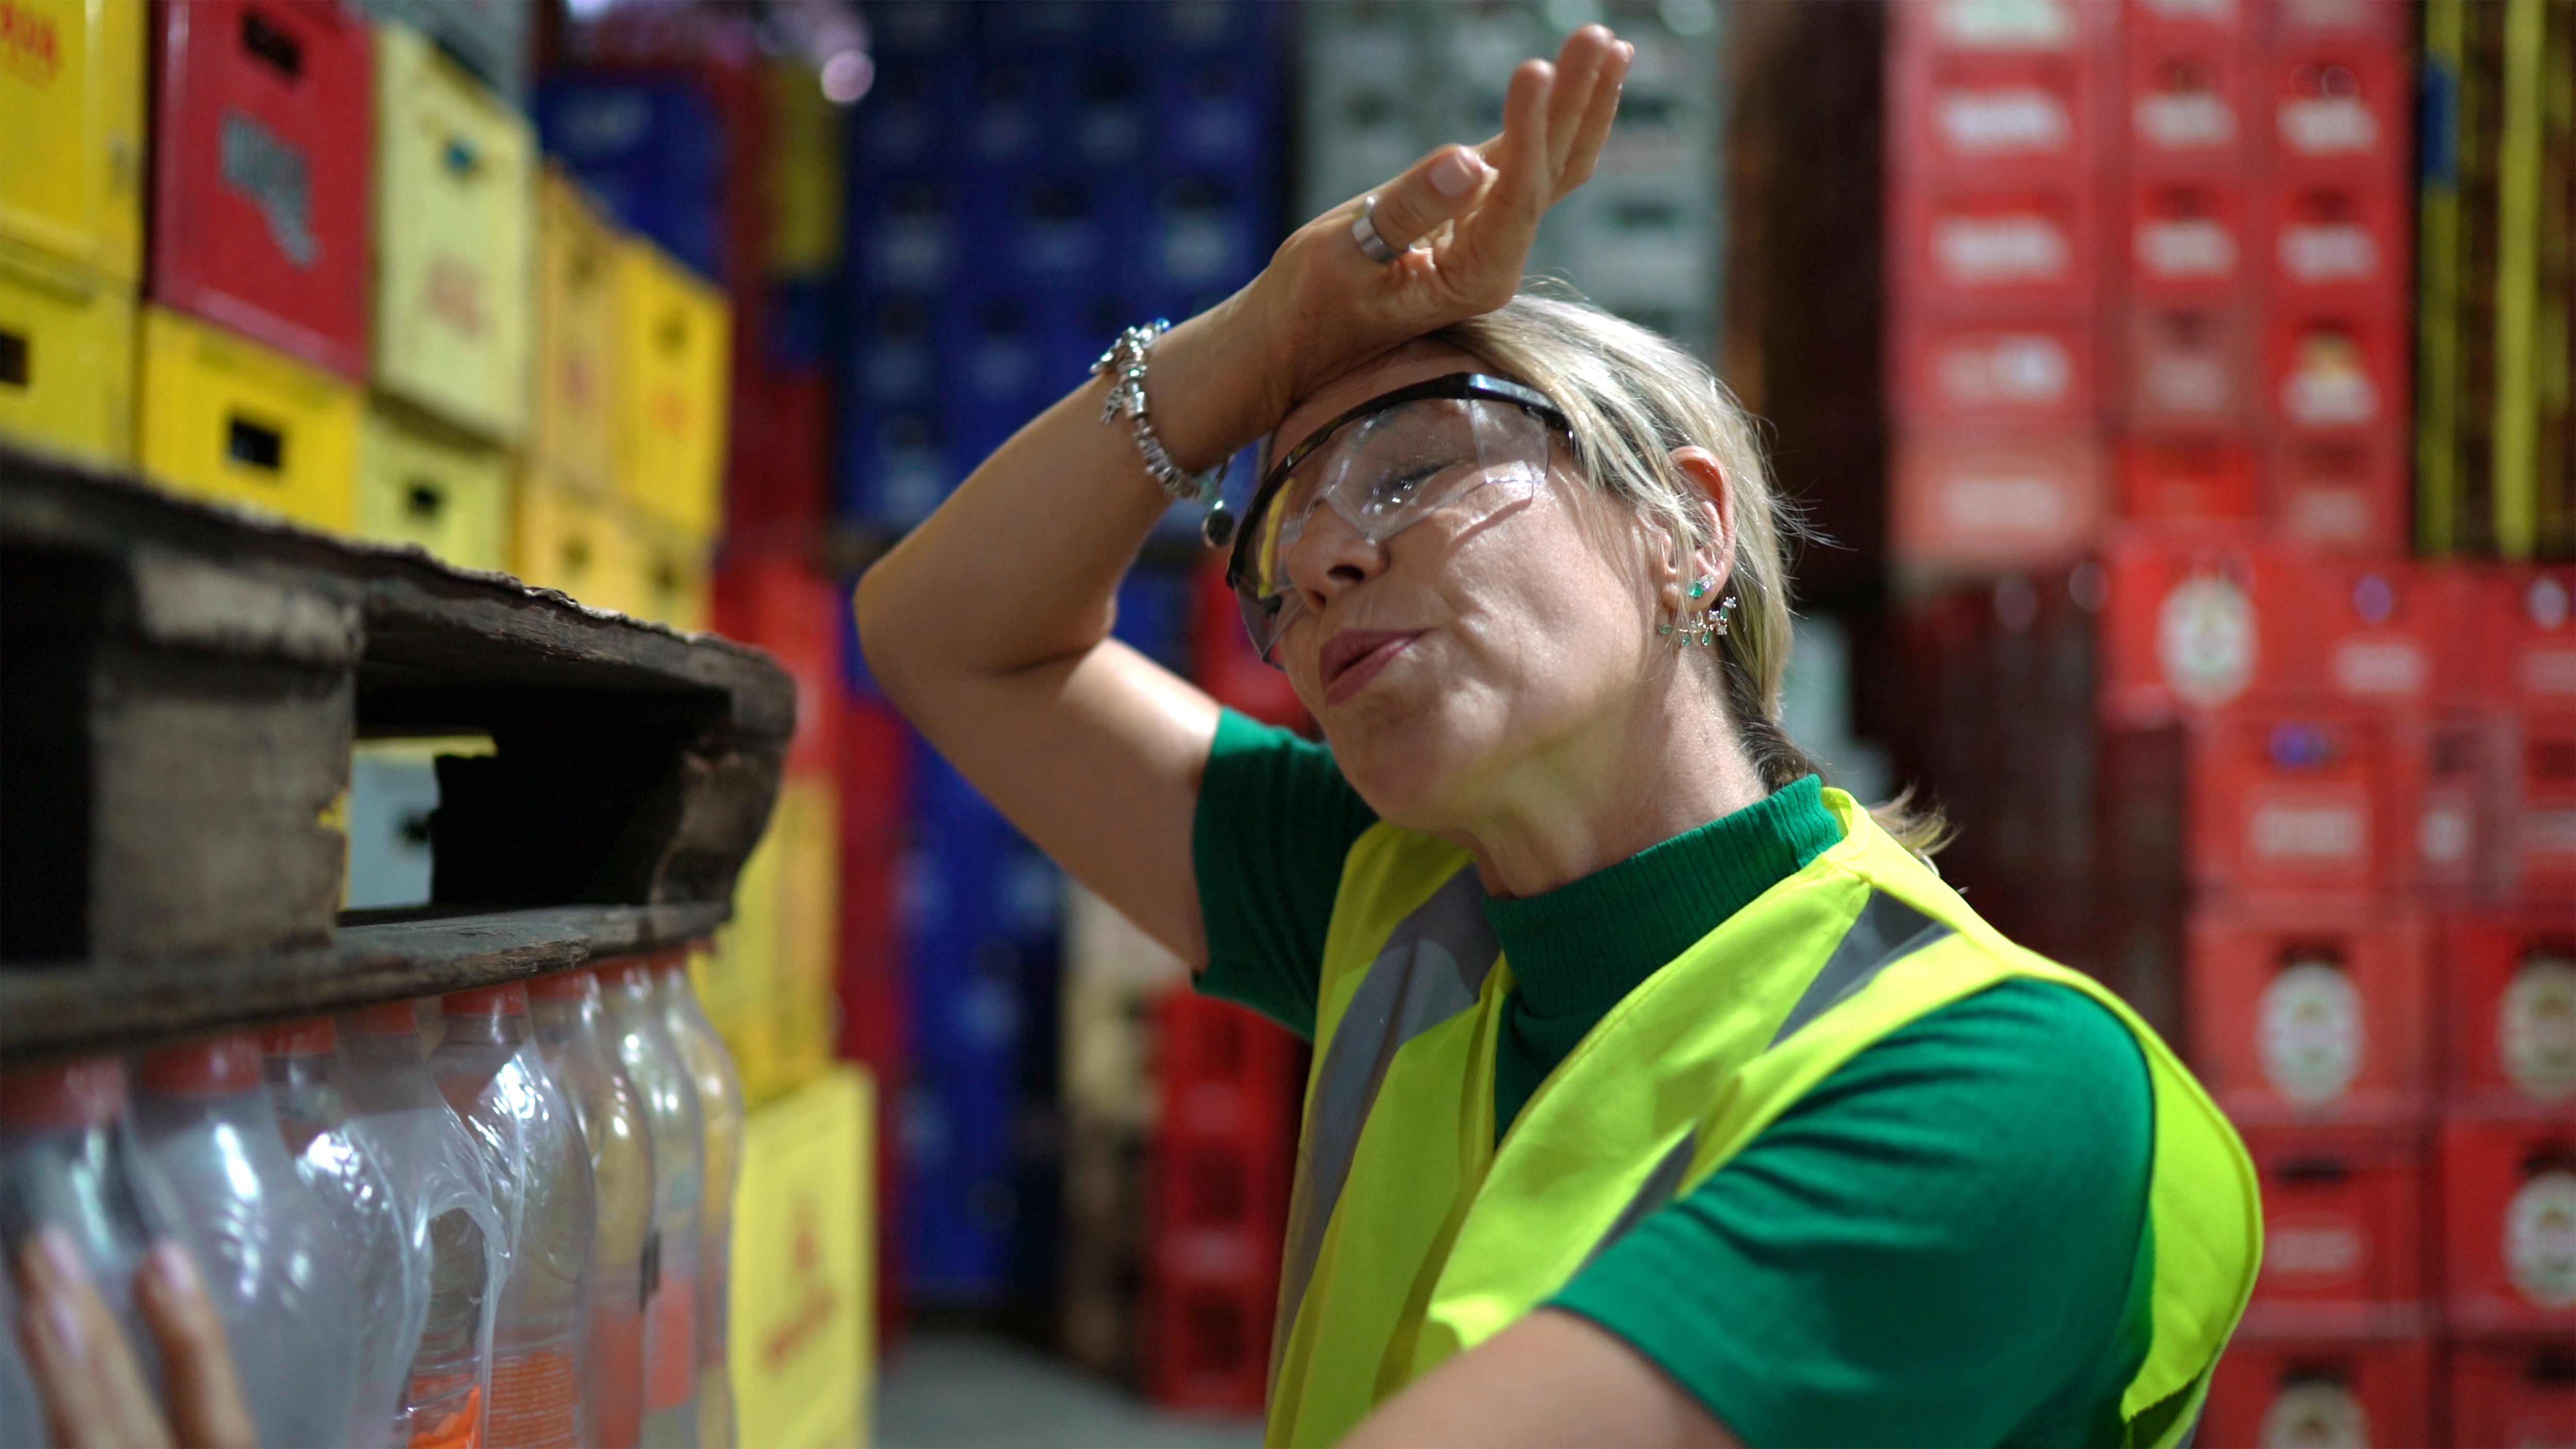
(2316,1413)
(1983,24)
(2335,123)
(2186,248)
(2540,1239)
(2003,121)
(269,170)
(2311,1031)
(2009,369)
(2315,1248)
(2185,120)
(2307,824)
(2205,640)
(2319,254)
(2536,1027)
(2329,385)
(2001,249)
(452,291)
(30,47)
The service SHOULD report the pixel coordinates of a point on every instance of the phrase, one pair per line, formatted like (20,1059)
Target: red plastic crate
(1209,1309)
(261,134)
(2448,762)
(2341,103)
(2190,238)
(2195,619)
(2340,494)
(2337,369)
(2526,633)
(2380,24)
(1955,27)
(2334,236)
(1224,663)
(1973,247)
(1978,500)
(2188,368)
(2222,23)
(2512,1391)
(2384,631)
(2316,1011)
(777,483)
(1996,114)
(875,776)
(2183,101)
(1225,1075)
(2537,818)
(2296,803)
(2509,1223)
(2320,1391)
(786,608)
(1991,371)
(2344,1248)
(2509,987)
(2187,479)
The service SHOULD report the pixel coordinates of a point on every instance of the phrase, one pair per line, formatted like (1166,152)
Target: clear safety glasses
(1463,447)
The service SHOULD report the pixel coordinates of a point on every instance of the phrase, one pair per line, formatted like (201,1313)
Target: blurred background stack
(2179,390)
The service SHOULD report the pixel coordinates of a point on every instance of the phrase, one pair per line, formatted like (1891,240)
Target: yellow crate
(802,1304)
(455,239)
(804,174)
(673,576)
(674,340)
(422,483)
(770,985)
(66,358)
(564,538)
(71,108)
(227,418)
(575,435)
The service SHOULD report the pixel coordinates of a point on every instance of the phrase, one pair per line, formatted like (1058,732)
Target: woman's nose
(1331,556)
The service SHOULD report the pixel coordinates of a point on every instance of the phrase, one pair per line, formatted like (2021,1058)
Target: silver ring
(1364,231)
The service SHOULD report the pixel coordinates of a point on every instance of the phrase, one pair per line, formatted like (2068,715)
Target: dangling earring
(1700,626)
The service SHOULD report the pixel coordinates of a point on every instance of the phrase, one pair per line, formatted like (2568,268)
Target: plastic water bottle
(346,1170)
(274,1265)
(566,1010)
(448,1216)
(645,1048)
(720,1103)
(490,1070)
(68,1160)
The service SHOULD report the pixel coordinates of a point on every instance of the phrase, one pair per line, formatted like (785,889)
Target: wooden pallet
(180,687)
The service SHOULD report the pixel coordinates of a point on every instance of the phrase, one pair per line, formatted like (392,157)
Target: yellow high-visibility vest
(1413,1235)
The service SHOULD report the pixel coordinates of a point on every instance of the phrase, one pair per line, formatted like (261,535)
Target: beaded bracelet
(1125,363)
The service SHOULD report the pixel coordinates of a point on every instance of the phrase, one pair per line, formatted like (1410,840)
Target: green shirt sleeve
(1943,1243)
(1274,819)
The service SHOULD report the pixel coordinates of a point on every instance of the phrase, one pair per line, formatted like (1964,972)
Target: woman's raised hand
(1463,217)
(94,1393)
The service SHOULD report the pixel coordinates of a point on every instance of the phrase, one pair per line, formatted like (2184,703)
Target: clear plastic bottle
(347,1172)
(720,1104)
(490,1070)
(69,1160)
(274,1263)
(645,1048)
(565,1008)
(448,1215)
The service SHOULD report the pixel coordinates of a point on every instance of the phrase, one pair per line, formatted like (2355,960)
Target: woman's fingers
(205,1395)
(1590,129)
(1435,190)
(93,1393)
(1581,64)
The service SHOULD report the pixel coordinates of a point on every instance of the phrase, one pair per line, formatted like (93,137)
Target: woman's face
(1453,658)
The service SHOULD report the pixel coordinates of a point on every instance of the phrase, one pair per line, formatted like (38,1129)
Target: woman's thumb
(1436,189)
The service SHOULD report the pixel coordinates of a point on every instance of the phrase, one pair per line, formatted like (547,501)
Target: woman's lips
(1353,657)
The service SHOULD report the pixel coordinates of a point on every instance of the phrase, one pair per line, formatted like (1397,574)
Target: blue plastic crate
(1216,111)
(804,323)
(651,149)
(905,229)
(1155,605)
(904,120)
(898,464)
(1199,234)
(896,361)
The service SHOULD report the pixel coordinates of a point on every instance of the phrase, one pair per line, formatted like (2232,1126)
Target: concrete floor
(954,1390)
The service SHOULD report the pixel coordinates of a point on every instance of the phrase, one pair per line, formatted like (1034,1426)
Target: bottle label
(536,1399)
(673,1373)
(455,1425)
(617,1375)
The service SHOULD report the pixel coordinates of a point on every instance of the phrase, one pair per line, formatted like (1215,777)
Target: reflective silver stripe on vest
(1886,932)
(1433,968)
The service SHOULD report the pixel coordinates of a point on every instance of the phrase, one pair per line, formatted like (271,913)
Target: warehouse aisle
(971,1391)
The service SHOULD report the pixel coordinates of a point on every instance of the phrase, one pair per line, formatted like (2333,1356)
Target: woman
(1661,1095)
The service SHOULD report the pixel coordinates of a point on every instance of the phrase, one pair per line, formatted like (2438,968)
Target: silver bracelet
(1125,363)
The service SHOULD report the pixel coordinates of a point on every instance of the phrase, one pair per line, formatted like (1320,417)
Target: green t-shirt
(1945,1242)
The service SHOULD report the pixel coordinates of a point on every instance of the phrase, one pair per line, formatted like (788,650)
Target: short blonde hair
(1631,398)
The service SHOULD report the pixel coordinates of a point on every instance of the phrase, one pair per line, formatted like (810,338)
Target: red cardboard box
(2337,370)
(2189,238)
(2509,986)
(2537,820)
(262,129)
(1995,371)
(2509,1223)
(2342,494)
(2194,619)
(2526,633)
(1974,247)
(1983,500)
(2311,1012)
(2512,1391)
(2269,1392)
(2297,803)
(2344,1249)
(2187,479)
(2188,368)
(2336,236)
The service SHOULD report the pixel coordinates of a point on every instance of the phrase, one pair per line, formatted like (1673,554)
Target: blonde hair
(1632,397)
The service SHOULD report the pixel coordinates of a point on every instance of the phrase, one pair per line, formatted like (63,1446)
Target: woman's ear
(1715,504)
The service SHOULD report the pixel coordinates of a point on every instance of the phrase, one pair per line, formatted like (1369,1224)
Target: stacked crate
(1385,81)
